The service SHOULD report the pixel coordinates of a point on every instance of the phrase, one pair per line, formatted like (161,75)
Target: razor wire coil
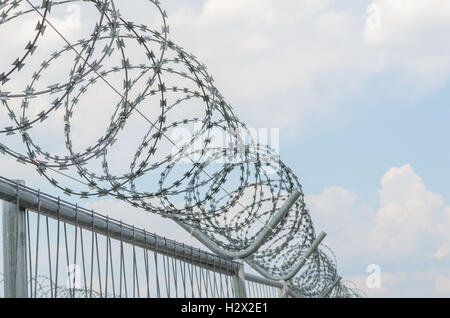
(228,193)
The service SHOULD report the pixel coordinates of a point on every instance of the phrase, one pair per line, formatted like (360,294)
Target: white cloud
(409,219)
(408,214)
(341,199)
(412,37)
(304,57)
(263,53)
(444,231)
(408,283)
(346,223)
(10,168)
(407,234)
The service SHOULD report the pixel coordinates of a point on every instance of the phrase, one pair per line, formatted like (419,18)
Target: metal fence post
(284,292)
(14,250)
(239,282)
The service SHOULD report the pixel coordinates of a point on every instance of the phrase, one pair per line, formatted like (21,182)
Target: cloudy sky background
(359,90)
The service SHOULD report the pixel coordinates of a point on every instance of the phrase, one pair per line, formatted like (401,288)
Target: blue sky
(388,133)
(359,91)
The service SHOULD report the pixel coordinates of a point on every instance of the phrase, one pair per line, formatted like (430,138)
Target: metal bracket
(297,267)
(260,239)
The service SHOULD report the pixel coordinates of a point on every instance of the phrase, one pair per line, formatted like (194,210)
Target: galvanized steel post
(239,282)
(284,292)
(14,250)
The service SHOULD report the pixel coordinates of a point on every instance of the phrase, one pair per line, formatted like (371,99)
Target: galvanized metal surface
(72,214)
(14,250)
(67,213)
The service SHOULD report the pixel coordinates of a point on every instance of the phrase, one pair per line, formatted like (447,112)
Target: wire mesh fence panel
(258,290)
(73,252)
(66,260)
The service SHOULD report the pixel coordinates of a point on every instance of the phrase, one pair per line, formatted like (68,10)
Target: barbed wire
(228,192)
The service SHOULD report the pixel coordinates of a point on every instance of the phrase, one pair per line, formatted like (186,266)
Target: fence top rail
(73,214)
(55,208)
